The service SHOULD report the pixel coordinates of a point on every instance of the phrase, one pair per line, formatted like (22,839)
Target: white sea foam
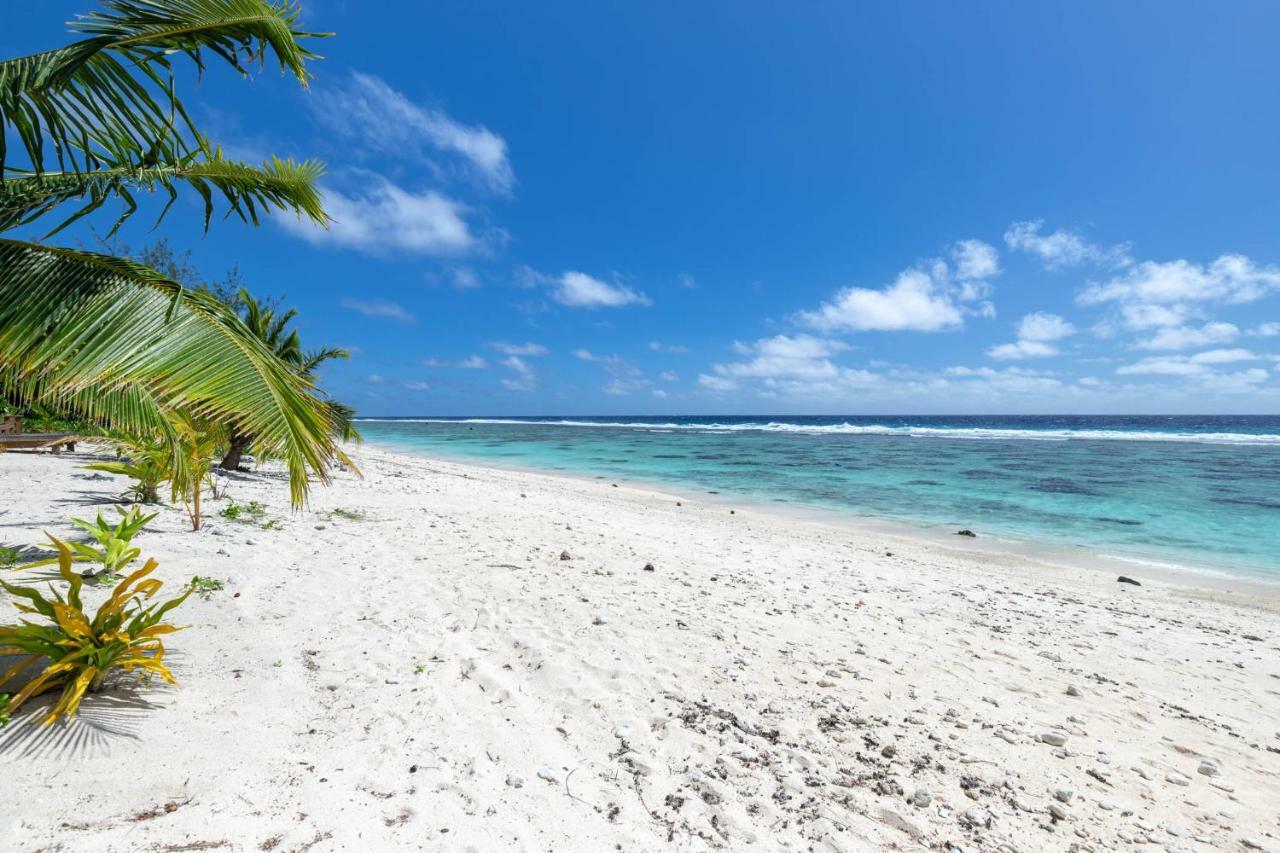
(980,433)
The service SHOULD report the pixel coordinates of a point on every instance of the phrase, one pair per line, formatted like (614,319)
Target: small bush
(273,524)
(113,553)
(250,513)
(348,514)
(206,587)
(9,556)
(124,634)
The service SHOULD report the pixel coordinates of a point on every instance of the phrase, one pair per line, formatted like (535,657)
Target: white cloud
(417,386)
(579,290)
(374,379)
(669,376)
(526,349)
(676,349)
(1142,316)
(717,384)
(465,278)
(975,259)
(1201,364)
(1185,337)
(584,355)
(1062,248)
(525,378)
(1266,330)
(1042,326)
(378,308)
(925,298)
(472,362)
(1022,349)
(583,291)
(1232,279)
(1036,332)
(912,302)
(659,393)
(385,218)
(383,119)
(798,365)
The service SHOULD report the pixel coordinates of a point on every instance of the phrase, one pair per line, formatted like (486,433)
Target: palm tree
(272,328)
(111,340)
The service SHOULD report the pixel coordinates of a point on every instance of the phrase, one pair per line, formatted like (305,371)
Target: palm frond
(248,191)
(111,97)
(117,342)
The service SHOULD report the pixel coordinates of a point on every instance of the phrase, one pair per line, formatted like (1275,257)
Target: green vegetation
(4,709)
(250,513)
(205,587)
(271,327)
(273,524)
(113,552)
(348,514)
(147,461)
(134,352)
(9,556)
(124,634)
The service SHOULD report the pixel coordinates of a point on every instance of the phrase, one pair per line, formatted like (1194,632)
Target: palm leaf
(110,97)
(116,342)
(247,190)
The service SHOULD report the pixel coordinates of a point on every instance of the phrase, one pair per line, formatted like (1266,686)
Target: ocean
(1199,492)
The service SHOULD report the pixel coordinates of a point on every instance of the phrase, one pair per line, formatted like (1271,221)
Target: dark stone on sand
(648,567)
(1123,579)
(564,555)
(967,532)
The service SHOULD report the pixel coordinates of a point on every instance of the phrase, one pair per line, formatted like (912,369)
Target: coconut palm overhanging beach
(300,622)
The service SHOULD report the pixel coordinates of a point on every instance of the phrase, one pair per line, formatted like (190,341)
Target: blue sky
(754,207)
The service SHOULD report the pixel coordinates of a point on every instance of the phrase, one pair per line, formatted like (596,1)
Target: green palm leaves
(117,343)
(111,340)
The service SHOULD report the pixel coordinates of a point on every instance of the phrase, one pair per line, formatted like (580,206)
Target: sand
(695,676)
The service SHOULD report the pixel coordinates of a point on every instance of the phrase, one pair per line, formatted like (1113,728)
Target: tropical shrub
(199,442)
(205,587)
(124,634)
(113,552)
(146,461)
(248,513)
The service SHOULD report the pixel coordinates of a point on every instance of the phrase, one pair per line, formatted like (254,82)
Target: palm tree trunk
(239,444)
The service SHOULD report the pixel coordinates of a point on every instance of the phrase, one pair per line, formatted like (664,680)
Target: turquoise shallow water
(1200,492)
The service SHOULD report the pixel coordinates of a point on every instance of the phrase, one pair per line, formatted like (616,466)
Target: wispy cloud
(1061,248)
(383,217)
(367,110)
(378,308)
(579,290)
(1187,337)
(524,377)
(526,349)
(473,362)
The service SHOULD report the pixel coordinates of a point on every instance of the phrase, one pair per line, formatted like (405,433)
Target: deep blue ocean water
(1202,492)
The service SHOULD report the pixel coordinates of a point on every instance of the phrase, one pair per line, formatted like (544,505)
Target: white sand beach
(695,676)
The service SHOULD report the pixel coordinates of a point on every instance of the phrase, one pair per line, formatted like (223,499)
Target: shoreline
(1048,554)
(472,658)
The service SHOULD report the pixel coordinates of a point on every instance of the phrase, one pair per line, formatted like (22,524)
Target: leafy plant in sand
(113,552)
(124,634)
(247,513)
(146,461)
